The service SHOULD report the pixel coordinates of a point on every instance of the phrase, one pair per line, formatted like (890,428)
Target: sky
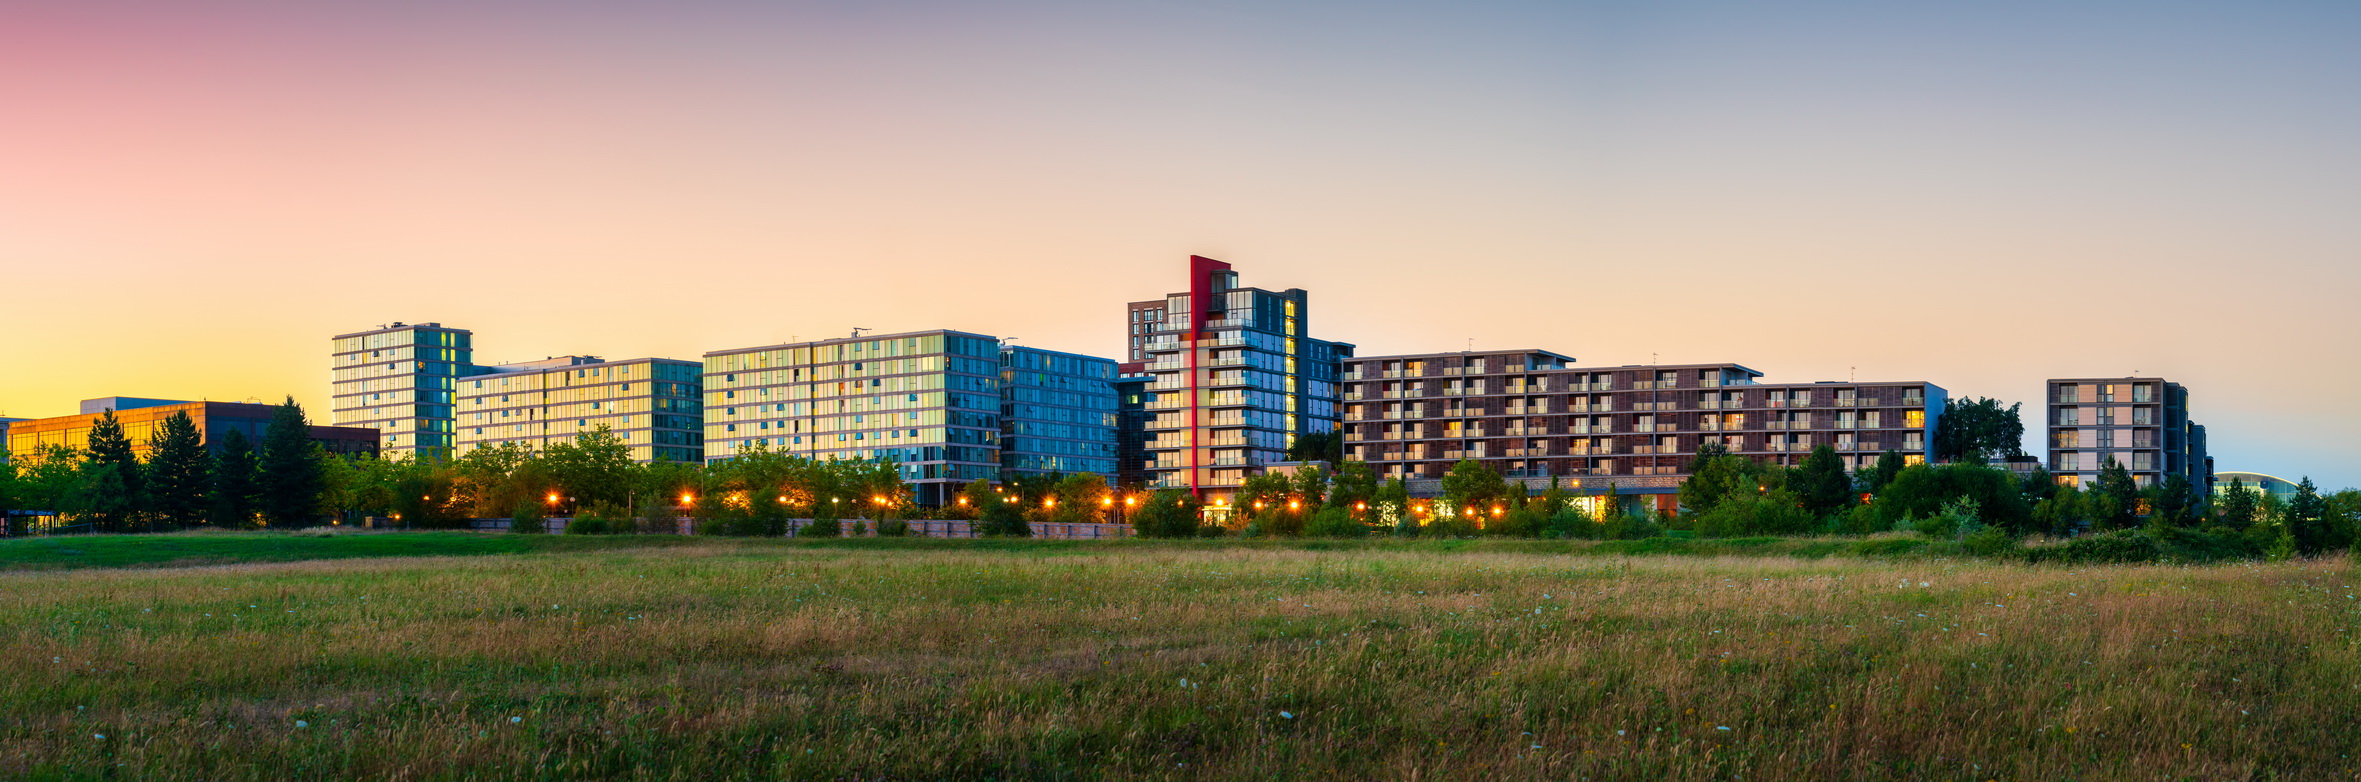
(195,196)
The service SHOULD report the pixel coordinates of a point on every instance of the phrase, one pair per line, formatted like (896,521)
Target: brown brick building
(1534,415)
(140,424)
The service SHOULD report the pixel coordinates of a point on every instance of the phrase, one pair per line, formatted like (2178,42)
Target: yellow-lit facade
(651,404)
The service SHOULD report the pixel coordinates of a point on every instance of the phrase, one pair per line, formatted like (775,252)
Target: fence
(931,528)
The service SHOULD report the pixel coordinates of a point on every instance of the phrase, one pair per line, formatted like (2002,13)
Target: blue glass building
(1057,413)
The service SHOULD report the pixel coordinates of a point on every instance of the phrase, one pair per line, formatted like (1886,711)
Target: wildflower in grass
(302,724)
(1287,714)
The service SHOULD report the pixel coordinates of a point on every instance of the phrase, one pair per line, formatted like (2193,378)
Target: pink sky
(192,199)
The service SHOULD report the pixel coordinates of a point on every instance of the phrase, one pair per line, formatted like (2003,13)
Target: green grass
(666,658)
(220,548)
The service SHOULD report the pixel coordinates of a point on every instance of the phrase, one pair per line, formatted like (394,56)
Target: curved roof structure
(2254,481)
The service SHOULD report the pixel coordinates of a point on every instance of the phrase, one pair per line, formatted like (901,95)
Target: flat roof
(400,326)
(542,365)
(1007,347)
(1468,353)
(863,338)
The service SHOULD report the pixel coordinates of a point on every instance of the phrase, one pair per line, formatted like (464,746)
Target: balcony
(1852,402)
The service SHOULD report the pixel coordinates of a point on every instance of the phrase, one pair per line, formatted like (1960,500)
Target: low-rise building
(27,438)
(653,405)
(1536,416)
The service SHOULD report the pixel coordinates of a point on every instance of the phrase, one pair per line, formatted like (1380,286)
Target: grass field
(701,659)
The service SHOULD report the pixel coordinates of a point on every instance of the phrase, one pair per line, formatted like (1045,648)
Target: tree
(1169,513)
(237,488)
(180,472)
(1352,488)
(1922,490)
(111,494)
(1082,499)
(2119,496)
(2236,509)
(2171,503)
(1976,430)
(2307,519)
(291,483)
(1472,488)
(1391,501)
(1820,483)
(999,516)
(593,469)
(1874,479)
(1716,476)
(1317,447)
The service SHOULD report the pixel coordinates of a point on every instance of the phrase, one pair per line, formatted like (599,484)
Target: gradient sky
(195,196)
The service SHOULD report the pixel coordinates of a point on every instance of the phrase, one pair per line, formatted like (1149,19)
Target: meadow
(667,658)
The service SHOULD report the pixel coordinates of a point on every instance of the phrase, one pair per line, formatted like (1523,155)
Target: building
(2260,483)
(928,400)
(4,422)
(1234,379)
(1131,442)
(1058,413)
(1534,415)
(2139,422)
(402,380)
(653,405)
(214,420)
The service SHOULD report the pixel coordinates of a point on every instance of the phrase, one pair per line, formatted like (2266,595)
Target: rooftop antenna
(858,329)
(1851,374)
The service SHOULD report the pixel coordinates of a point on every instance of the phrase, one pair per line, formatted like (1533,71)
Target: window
(1914,419)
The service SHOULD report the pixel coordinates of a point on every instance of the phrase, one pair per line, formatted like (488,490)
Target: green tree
(1169,513)
(1472,489)
(1000,517)
(1317,447)
(1820,483)
(291,483)
(179,472)
(111,496)
(1391,503)
(237,483)
(2307,519)
(2235,510)
(1352,488)
(2119,496)
(1716,475)
(1874,479)
(595,468)
(1922,490)
(1082,497)
(1979,429)
(2172,502)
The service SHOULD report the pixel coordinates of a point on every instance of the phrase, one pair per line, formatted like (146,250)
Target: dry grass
(728,661)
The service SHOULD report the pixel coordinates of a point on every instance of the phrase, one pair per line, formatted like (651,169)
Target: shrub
(527,520)
(1573,523)
(1169,513)
(587,525)
(821,528)
(1520,523)
(2120,546)
(1448,527)
(1775,513)
(1989,542)
(893,528)
(1335,523)
(1625,526)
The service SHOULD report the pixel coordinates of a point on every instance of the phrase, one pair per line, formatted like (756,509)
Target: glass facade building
(402,380)
(653,405)
(214,420)
(928,400)
(1235,379)
(1057,413)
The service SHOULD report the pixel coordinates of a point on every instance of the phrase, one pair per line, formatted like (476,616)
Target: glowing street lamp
(1295,504)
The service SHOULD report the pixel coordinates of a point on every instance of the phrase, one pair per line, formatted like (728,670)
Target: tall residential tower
(1235,378)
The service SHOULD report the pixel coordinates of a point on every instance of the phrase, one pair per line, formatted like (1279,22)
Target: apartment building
(402,380)
(1131,441)
(1537,416)
(2139,422)
(27,438)
(654,405)
(1058,413)
(1234,379)
(928,400)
